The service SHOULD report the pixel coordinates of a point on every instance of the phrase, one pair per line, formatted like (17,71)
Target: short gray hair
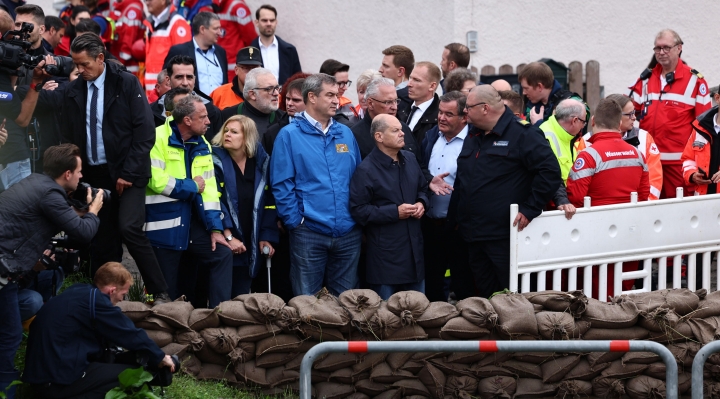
(251,79)
(568,109)
(366,77)
(314,83)
(373,88)
(457,96)
(185,107)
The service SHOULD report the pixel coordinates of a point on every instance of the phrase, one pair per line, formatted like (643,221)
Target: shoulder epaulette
(522,122)
(698,74)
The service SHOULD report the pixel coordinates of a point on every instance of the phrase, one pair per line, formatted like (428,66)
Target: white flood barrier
(606,236)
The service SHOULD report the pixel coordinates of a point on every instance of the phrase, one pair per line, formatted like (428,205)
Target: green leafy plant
(3,395)
(133,385)
(137,290)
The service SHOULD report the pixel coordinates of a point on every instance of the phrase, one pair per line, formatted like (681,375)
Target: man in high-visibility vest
(182,202)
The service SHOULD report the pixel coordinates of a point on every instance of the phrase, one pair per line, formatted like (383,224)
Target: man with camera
(31,213)
(67,353)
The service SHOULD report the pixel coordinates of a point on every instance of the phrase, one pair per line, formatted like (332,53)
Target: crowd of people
(214,164)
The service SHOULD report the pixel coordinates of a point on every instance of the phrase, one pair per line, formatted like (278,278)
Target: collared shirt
(715,124)
(422,107)
(271,58)
(402,85)
(210,74)
(100,87)
(317,124)
(443,158)
(162,17)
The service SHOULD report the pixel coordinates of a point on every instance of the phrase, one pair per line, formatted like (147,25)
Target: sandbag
(534,388)
(644,387)
(656,370)
(684,353)
(619,370)
(336,361)
(523,369)
(491,371)
(361,304)
(703,330)
(604,387)
(383,374)
(383,322)
(207,355)
(411,386)
(659,319)
(434,380)
(279,375)
(222,340)
(175,313)
(462,387)
(709,306)
(250,374)
(214,372)
(412,332)
(584,371)
(460,328)
(134,311)
(154,323)
(333,390)
(437,314)
(573,302)
(370,388)
(190,365)
(289,319)
(161,338)
(234,313)
(681,300)
(358,395)
(574,389)
(368,361)
(448,368)
(264,307)
(609,334)
(680,333)
(175,349)
(432,332)
(596,358)
(611,315)
(254,333)
(532,357)
(191,338)
(278,343)
(201,319)
(412,366)
(324,311)
(556,325)
(465,357)
(478,311)
(390,394)
(497,387)
(270,360)
(516,314)
(320,334)
(555,370)
(640,357)
(345,376)
(397,359)
(408,306)
(243,352)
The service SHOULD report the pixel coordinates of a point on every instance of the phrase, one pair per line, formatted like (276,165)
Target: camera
(66,258)
(79,196)
(13,54)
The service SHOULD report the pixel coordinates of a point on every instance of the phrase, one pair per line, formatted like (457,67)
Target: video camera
(67,257)
(13,54)
(79,196)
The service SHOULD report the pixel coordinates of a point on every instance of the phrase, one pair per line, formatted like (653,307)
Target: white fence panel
(606,236)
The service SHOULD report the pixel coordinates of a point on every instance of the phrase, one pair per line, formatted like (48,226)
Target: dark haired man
(455,55)
(346,113)
(397,64)
(54,32)
(107,115)
(279,56)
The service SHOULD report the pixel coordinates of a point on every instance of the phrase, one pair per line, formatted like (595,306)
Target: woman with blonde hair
(241,171)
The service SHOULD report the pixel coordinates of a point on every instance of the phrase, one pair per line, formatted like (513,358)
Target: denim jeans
(32,297)
(386,290)
(13,173)
(317,259)
(10,337)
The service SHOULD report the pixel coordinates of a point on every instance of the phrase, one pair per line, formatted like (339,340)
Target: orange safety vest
(696,155)
(224,96)
(159,40)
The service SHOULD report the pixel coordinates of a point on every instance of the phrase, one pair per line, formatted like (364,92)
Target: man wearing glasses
(503,161)
(668,96)
(261,93)
(346,113)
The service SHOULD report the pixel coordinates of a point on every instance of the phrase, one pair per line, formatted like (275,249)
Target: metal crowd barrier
(671,373)
(699,365)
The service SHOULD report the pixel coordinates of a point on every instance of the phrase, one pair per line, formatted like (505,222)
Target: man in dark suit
(279,56)
(423,114)
(115,147)
(210,59)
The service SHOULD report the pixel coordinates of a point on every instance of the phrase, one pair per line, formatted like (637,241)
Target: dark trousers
(122,220)
(10,337)
(218,263)
(444,249)
(490,264)
(98,379)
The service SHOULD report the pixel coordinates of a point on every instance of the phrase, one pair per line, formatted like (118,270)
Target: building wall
(613,32)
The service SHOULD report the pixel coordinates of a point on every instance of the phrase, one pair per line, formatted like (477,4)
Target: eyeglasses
(630,115)
(584,121)
(345,84)
(388,102)
(474,105)
(664,49)
(270,89)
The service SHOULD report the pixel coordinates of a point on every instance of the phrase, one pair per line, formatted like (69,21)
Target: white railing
(606,236)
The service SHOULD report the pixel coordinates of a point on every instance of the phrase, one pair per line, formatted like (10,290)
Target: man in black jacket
(261,93)
(71,332)
(503,161)
(210,60)
(279,56)
(422,114)
(115,139)
(381,98)
(31,213)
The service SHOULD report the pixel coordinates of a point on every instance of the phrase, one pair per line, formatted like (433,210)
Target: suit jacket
(427,120)
(366,141)
(128,130)
(288,56)
(188,48)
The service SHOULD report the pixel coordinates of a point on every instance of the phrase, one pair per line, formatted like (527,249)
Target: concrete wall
(617,33)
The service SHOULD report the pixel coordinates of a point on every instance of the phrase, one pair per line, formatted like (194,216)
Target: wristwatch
(36,87)
(229,237)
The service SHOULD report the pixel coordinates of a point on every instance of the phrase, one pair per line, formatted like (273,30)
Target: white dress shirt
(317,124)
(422,107)
(270,57)
(443,158)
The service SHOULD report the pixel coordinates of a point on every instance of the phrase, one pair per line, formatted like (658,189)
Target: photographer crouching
(31,212)
(67,352)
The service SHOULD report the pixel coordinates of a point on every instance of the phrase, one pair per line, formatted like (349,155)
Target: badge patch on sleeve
(341,148)
(579,164)
(703,89)
(500,143)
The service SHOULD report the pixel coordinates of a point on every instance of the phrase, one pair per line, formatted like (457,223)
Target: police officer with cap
(230,94)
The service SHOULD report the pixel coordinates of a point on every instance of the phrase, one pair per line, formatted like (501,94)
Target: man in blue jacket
(312,163)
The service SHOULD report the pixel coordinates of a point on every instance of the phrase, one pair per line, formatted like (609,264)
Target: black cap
(249,56)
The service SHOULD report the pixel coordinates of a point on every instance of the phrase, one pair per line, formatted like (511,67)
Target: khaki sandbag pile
(257,340)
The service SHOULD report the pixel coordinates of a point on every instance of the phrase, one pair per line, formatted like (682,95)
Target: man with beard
(261,94)
(454,56)
(280,57)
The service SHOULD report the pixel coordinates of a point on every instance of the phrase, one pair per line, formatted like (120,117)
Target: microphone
(5,96)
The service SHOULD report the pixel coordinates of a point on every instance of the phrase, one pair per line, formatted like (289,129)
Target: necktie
(93,122)
(412,112)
